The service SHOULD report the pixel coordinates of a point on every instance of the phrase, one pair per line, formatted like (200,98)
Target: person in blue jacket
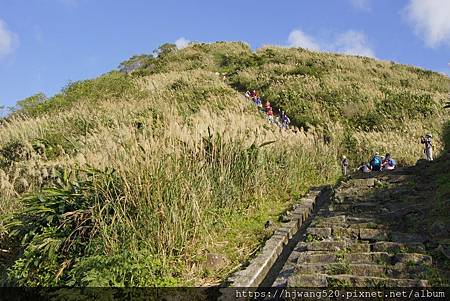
(375,162)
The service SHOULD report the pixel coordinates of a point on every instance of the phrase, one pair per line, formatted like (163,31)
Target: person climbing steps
(344,164)
(428,146)
(280,119)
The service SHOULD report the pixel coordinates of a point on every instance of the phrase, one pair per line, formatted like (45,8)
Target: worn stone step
(373,234)
(345,233)
(324,245)
(402,270)
(357,207)
(325,257)
(359,247)
(316,257)
(319,233)
(368,257)
(323,280)
(307,280)
(367,281)
(392,236)
(331,245)
(322,221)
(342,268)
(396,247)
(370,225)
(350,220)
(373,270)
(413,258)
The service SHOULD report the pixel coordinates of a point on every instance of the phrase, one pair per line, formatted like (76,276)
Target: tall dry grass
(179,175)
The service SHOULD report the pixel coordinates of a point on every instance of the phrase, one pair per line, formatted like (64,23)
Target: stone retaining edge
(257,270)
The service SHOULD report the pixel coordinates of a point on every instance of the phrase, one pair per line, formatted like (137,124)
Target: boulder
(215,261)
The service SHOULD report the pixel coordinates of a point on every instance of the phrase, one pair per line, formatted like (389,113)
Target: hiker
(247,95)
(388,163)
(253,94)
(344,164)
(285,120)
(375,162)
(270,115)
(365,168)
(267,106)
(428,146)
(258,102)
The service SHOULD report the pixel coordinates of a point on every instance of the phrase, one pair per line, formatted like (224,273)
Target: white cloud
(349,42)
(298,38)
(8,40)
(430,20)
(361,4)
(182,43)
(354,43)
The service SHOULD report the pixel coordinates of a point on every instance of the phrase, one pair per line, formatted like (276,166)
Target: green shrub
(127,269)
(54,228)
(113,86)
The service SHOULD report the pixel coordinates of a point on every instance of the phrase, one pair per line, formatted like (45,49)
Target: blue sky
(44,44)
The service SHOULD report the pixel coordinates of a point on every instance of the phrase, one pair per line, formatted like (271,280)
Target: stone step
(395,247)
(328,221)
(344,219)
(352,258)
(367,258)
(368,207)
(307,280)
(316,257)
(333,245)
(345,233)
(323,245)
(367,281)
(323,280)
(318,233)
(413,258)
(373,270)
(392,236)
(359,247)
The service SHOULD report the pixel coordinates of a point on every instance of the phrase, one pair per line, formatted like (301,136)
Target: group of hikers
(281,119)
(380,163)
(376,163)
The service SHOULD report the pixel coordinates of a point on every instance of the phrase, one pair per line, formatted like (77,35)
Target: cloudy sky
(44,44)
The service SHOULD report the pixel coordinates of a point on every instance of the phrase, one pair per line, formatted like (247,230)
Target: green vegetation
(342,267)
(132,178)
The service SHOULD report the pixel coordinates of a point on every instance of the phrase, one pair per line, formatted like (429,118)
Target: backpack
(376,161)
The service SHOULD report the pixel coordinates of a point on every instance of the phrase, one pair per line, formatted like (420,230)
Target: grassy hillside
(134,179)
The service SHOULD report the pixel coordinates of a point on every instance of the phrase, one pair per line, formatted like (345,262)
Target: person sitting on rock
(388,163)
(375,162)
(365,167)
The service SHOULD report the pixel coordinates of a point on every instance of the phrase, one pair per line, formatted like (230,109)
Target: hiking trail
(369,231)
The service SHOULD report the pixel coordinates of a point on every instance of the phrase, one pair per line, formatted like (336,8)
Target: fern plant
(54,227)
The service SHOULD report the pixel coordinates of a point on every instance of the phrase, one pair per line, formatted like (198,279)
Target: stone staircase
(357,240)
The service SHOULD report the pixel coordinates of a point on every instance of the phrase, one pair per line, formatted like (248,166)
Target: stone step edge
(257,270)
